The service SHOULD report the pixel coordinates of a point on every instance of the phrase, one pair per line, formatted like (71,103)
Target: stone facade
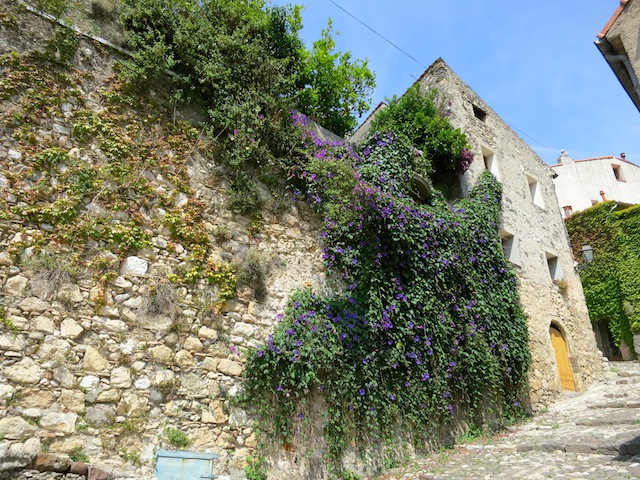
(618,43)
(581,184)
(534,235)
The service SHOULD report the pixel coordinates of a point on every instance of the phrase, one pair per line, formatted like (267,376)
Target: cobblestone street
(594,435)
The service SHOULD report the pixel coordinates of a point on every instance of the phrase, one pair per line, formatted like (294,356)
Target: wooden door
(562,359)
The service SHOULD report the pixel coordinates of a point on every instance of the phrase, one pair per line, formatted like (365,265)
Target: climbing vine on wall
(428,324)
(611,282)
(94,204)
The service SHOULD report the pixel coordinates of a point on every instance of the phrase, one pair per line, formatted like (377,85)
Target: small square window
(510,247)
(490,162)
(555,268)
(568,211)
(617,172)
(535,191)
(479,113)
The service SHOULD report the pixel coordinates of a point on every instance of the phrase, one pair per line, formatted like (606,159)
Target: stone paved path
(592,435)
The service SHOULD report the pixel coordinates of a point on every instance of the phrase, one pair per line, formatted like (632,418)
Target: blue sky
(534,63)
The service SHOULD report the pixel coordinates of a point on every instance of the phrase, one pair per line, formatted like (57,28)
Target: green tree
(243,60)
(332,87)
(417,117)
(245,64)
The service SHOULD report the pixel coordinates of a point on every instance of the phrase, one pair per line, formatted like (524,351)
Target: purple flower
(392,397)
(260,353)
(362,391)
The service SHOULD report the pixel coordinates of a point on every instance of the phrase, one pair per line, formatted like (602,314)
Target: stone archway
(562,359)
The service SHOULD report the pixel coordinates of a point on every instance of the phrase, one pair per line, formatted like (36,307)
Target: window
(535,191)
(490,162)
(510,247)
(617,172)
(479,113)
(555,268)
(568,211)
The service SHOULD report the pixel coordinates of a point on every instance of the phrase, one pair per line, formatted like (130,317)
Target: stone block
(89,382)
(210,364)
(69,328)
(53,348)
(132,405)
(6,260)
(158,323)
(70,292)
(72,400)
(16,286)
(34,304)
(228,367)
(26,371)
(46,462)
(64,377)
(15,428)
(11,343)
(134,266)
(214,414)
(193,344)
(184,359)
(101,414)
(13,457)
(44,324)
(37,398)
(207,333)
(120,377)
(109,396)
(161,353)
(59,422)
(94,361)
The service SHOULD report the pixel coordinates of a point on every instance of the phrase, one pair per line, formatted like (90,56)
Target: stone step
(615,404)
(626,449)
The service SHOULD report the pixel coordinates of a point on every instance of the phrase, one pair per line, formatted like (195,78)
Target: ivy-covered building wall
(610,281)
(534,236)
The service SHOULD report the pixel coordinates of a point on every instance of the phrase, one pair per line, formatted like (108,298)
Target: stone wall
(87,370)
(534,226)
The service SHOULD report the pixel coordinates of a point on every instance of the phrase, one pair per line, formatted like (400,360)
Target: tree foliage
(332,87)
(245,61)
(417,117)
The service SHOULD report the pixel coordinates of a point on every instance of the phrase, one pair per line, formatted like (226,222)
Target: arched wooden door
(562,359)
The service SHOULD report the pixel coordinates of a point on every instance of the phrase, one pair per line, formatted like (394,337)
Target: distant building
(562,342)
(618,43)
(581,184)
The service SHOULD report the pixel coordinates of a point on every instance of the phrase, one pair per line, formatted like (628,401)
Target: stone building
(618,43)
(563,347)
(581,184)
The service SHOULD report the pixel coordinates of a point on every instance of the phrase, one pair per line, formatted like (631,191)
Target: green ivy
(418,117)
(611,282)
